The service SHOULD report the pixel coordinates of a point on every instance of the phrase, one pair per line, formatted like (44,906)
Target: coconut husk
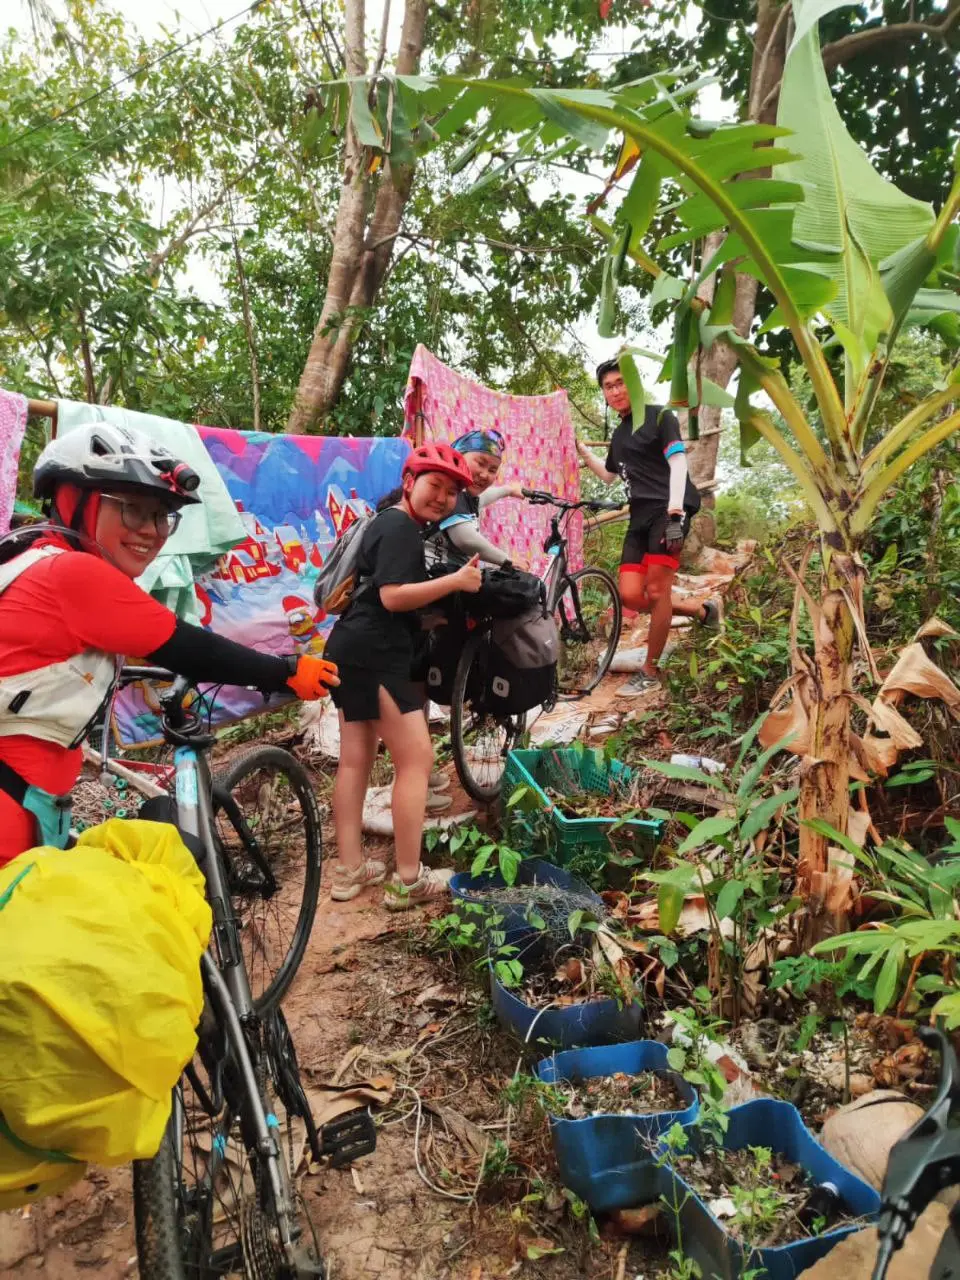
(854,1257)
(861,1134)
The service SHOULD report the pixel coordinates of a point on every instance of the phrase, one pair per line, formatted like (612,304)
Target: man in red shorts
(652,462)
(70,608)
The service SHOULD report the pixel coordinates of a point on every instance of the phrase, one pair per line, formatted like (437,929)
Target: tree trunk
(360,260)
(316,391)
(825,769)
(718,364)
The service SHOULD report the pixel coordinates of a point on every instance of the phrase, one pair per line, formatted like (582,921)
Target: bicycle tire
(271,965)
(486,790)
(200,1217)
(156,1222)
(572,645)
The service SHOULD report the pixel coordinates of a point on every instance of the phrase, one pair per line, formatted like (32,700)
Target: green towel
(206,531)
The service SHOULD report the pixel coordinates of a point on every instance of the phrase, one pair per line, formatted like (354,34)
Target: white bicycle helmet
(99,455)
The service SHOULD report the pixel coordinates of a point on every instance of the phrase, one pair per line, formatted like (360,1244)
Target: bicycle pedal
(349,1137)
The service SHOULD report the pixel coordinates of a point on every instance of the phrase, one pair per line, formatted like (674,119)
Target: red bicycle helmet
(438,457)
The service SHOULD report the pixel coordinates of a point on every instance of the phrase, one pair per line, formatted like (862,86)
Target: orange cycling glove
(313,677)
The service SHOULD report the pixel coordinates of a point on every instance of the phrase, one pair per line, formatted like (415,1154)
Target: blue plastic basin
(590,1023)
(608,1159)
(766,1122)
(517,928)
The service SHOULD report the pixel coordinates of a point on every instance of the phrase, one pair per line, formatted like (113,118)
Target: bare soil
(369,988)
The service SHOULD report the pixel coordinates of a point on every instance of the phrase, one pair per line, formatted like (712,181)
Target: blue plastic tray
(766,1122)
(608,1159)
(593,1022)
(519,932)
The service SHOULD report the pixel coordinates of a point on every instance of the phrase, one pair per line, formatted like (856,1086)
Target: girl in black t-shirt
(381,697)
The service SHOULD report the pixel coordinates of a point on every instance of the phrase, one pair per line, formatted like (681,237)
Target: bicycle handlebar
(171,700)
(540,498)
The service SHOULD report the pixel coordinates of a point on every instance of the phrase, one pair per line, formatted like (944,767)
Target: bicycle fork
(229,990)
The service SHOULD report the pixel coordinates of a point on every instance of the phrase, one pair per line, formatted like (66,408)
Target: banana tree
(848,261)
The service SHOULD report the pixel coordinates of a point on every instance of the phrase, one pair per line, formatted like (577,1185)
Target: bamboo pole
(44,409)
(608,517)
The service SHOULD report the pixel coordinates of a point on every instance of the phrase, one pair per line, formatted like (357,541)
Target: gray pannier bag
(523,668)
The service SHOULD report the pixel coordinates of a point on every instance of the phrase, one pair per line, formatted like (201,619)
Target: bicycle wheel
(204,1206)
(479,740)
(589,616)
(268,825)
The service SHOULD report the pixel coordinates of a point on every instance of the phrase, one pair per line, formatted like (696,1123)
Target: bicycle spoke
(588,619)
(269,836)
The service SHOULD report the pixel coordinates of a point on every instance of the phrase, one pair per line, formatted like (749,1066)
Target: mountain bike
(220,1198)
(589,615)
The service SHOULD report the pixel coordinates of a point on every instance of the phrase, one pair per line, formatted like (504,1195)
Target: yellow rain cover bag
(100,997)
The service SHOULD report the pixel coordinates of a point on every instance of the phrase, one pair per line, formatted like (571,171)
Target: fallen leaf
(329,1101)
(464,1130)
(436,996)
(643,1221)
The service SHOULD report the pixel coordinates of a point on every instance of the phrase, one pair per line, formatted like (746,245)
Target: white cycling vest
(56,703)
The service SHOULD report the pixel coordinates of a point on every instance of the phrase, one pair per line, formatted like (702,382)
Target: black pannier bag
(444,650)
(506,593)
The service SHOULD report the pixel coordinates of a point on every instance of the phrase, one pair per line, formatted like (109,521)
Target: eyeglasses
(135,518)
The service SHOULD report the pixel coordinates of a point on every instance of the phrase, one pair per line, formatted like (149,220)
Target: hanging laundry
(13,423)
(540,453)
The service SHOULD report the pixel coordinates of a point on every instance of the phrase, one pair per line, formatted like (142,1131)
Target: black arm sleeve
(203,655)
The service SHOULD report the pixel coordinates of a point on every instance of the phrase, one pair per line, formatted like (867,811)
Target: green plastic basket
(591,772)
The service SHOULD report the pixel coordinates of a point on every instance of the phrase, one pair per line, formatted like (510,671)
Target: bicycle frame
(225,982)
(556,572)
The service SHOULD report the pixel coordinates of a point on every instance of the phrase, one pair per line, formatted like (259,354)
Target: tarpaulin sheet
(296,495)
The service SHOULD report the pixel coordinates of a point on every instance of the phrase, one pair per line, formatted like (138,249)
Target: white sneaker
(348,883)
(430,886)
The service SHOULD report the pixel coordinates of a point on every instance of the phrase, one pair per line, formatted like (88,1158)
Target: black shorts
(644,544)
(358,693)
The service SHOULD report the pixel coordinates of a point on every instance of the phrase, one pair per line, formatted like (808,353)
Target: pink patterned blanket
(540,449)
(13,423)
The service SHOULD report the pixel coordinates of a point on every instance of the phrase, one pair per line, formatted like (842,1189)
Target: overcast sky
(187,20)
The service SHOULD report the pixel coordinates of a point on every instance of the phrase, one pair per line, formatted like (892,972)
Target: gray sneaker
(638,685)
(711,615)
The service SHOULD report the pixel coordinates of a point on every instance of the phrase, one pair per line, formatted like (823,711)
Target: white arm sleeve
(469,541)
(494,494)
(678,481)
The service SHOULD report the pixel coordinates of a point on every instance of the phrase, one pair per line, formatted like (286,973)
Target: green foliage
(694,1064)
(525,1090)
(806,973)
(726,867)
(924,897)
(760,501)
(474,850)
(720,683)
(758,1203)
